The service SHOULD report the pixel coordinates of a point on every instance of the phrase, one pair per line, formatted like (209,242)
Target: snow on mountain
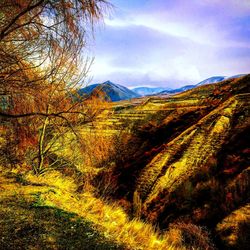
(210,80)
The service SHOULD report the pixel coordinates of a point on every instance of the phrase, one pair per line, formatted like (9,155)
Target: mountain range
(115,92)
(211,80)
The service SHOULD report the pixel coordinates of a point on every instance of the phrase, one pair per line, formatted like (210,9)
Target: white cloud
(177,29)
(182,42)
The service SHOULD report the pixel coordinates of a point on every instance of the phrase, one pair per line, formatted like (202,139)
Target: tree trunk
(41,147)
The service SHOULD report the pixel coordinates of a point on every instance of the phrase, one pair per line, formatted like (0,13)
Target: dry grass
(110,219)
(56,191)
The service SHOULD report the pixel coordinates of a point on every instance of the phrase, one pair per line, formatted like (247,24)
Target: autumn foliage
(43,65)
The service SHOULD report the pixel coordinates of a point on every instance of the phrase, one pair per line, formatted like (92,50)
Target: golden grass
(53,179)
(110,219)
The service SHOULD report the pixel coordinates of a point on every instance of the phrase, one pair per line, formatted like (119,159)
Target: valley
(188,155)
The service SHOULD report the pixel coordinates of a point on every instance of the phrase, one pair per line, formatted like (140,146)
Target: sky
(171,43)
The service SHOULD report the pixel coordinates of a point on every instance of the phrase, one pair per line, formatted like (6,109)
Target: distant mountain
(216,79)
(144,91)
(210,80)
(174,91)
(236,76)
(115,92)
(110,91)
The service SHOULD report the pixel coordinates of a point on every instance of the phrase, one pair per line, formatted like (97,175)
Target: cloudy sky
(171,43)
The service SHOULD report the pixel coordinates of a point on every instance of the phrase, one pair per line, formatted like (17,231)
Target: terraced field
(119,114)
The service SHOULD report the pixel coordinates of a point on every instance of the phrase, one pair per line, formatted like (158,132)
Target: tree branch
(59,114)
(3,33)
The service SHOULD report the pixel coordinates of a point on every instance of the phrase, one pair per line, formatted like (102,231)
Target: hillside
(188,158)
(27,223)
(109,91)
(107,167)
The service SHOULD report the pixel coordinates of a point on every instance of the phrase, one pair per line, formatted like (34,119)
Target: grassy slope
(203,166)
(24,226)
(27,223)
(45,212)
(196,145)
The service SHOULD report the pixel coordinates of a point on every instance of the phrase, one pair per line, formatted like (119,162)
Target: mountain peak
(113,92)
(108,82)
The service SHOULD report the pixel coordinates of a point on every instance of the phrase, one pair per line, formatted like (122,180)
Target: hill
(110,91)
(188,159)
(178,90)
(216,79)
